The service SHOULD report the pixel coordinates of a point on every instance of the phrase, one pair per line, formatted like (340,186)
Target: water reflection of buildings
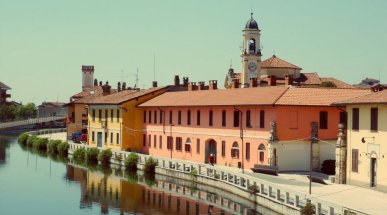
(4,144)
(117,193)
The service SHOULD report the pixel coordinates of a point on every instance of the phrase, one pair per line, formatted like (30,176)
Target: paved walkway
(353,197)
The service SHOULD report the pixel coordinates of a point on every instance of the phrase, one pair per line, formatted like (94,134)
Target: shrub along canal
(35,182)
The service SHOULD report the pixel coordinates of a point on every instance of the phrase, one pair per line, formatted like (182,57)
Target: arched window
(187,145)
(252,46)
(261,151)
(235,150)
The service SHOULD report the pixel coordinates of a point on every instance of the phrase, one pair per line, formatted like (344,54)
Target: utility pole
(313,138)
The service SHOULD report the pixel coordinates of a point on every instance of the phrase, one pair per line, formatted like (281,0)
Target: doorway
(99,139)
(373,172)
(210,149)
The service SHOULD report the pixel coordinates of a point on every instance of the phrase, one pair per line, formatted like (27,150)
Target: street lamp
(171,139)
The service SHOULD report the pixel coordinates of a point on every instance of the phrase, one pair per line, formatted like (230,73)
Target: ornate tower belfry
(251,52)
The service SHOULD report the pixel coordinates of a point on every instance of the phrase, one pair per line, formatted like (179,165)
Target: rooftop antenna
(137,79)
(154,67)
(231,63)
(251,8)
(380,81)
(273,52)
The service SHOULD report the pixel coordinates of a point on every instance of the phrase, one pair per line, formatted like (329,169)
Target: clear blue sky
(44,43)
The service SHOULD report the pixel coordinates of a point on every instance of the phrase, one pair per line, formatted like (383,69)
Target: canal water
(35,183)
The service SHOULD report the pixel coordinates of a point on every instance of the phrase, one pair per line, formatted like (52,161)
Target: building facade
(246,126)
(47,109)
(3,94)
(366,138)
(115,122)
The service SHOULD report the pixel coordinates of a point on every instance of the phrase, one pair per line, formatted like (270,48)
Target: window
(198,117)
(155,117)
(189,117)
(355,118)
(93,115)
(198,146)
(111,115)
(118,138)
(235,150)
(178,143)
(161,142)
(169,142)
(106,115)
(92,136)
(149,140)
(223,148)
(106,137)
(262,119)
(170,117)
(236,118)
(187,146)
(99,115)
(161,116)
(111,137)
(210,118)
(179,117)
(374,119)
(144,140)
(149,117)
(144,116)
(261,151)
(154,141)
(224,118)
(248,123)
(247,151)
(323,120)
(118,117)
(343,118)
(355,160)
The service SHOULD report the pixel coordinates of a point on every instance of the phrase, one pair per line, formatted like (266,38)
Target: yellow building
(367,140)
(76,109)
(115,122)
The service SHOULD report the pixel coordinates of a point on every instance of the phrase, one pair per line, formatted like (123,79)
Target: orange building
(244,126)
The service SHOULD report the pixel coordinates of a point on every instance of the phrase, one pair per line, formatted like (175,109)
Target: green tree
(27,111)
(328,84)
(8,113)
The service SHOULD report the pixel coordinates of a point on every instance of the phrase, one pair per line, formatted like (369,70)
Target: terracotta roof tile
(370,98)
(275,62)
(312,78)
(317,96)
(225,97)
(338,83)
(52,104)
(123,96)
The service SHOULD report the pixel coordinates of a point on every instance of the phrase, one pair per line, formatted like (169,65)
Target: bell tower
(87,76)
(251,53)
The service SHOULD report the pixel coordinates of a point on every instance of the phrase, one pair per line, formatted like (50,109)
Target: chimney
(95,82)
(288,80)
(119,87)
(185,81)
(253,82)
(201,85)
(100,83)
(154,83)
(192,86)
(213,85)
(123,85)
(106,89)
(272,80)
(177,80)
(235,83)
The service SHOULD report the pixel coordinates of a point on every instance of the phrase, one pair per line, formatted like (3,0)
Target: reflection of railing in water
(177,195)
(237,182)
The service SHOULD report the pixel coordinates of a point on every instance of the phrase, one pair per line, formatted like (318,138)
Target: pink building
(243,126)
